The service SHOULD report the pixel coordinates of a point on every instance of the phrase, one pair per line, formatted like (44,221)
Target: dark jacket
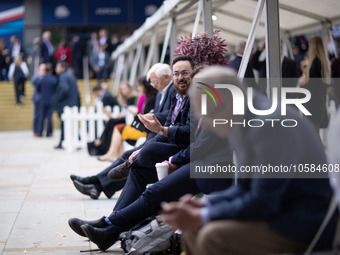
(294,207)
(235,64)
(46,87)
(182,131)
(162,111)
(109,100)
(67,93)
(289,73)
(44,53)
(317,104)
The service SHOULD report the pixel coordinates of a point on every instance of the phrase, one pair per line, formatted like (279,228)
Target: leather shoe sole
(87,189)
(119,173)
(104,238)
(76,223)
(83,180)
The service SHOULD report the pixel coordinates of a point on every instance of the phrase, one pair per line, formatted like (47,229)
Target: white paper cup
(162,170)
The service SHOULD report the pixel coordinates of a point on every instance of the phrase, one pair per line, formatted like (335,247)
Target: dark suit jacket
(235,64)
(183,130)
(46,87)
(22,52)
(44,53)
(258,65)
(249,74)
(293,207)
(67,93)
(162,111)
(336,74)
(109,100)
(36,94)
(289,73)
(95,59)
(207,149)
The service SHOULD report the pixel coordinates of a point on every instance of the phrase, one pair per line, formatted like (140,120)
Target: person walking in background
(100,63)
(16,49)
(3,63)
(104,38)
(46,87)
(63,53)
(18,72)
(66,94)
(35,56)
(336,75)
(36,97)
(92,48)
(317,76)
(93,45)
(77,52)
(46,48)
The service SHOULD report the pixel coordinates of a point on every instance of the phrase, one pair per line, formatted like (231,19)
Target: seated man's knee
(215,237)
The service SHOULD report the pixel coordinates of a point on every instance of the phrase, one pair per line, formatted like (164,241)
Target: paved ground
(37,196)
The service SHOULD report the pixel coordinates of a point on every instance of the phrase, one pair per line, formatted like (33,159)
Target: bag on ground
(149,237)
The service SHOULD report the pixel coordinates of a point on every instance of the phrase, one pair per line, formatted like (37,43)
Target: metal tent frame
(179,17)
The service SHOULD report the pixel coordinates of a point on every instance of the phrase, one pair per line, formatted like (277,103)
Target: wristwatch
(161,132)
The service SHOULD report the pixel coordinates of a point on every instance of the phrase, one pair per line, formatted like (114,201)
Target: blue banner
(144,9)
(55,12)
(108,12)
(11,19)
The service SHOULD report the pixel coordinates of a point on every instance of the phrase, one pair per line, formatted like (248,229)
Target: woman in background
(127,100)
(129,133)
(318,78)
(63,53)
(18,72)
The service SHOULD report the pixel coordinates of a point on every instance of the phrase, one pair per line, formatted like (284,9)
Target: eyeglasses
(184,74)
(153,84)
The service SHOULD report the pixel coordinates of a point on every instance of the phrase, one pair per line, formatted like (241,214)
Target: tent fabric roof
(234,18)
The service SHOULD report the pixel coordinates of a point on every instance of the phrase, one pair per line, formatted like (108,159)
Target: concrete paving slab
(37,196)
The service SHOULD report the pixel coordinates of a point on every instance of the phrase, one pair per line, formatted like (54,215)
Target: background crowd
(285,213)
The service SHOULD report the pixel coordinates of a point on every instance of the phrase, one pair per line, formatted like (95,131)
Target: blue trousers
(171,188)
(45,112)
(143,171)
(36,118)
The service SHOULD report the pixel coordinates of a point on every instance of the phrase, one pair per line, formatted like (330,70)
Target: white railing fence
(87,124)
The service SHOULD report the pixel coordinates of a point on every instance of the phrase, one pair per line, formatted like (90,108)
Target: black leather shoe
(75,224)
(87,189)
(83,180)
(119,173)
(58,147)
(104,238)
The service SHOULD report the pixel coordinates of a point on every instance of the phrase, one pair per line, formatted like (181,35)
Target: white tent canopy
(237,20)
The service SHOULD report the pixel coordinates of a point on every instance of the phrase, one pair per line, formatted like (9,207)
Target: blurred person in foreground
(285,212)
